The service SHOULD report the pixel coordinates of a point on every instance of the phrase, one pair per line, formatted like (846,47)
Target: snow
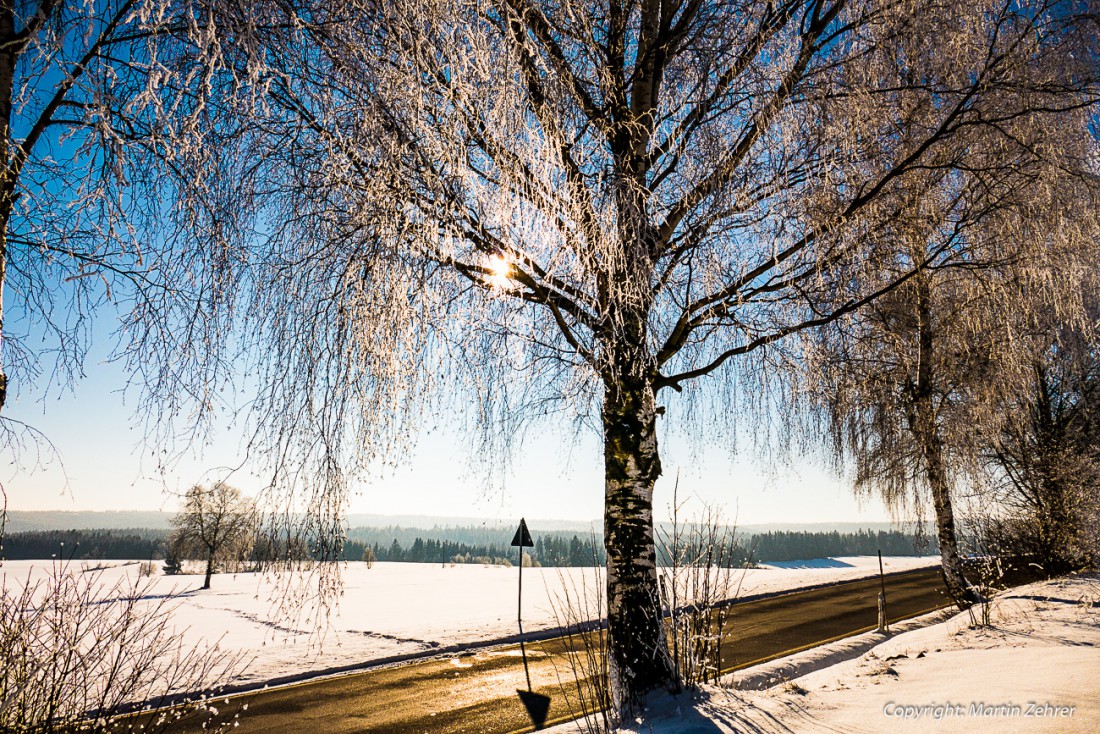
(1033,668)
(392,610)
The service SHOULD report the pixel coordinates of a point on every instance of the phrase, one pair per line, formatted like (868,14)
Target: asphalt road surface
(476,692)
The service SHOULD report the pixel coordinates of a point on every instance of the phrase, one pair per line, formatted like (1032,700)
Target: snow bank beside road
(1034,669)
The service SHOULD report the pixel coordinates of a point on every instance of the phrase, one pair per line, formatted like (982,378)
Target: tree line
(93,544)
(551,549)
(798,546)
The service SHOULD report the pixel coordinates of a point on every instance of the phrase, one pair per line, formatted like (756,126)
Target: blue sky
(107,466)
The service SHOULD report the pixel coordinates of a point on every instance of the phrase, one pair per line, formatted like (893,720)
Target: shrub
(80,653)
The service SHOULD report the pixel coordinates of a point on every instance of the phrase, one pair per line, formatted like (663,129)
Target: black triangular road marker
(537,705)
(523,538)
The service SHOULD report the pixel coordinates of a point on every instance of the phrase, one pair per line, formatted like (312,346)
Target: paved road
(476,692)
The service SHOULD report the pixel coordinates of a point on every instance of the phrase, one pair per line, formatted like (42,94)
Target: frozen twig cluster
(81,654)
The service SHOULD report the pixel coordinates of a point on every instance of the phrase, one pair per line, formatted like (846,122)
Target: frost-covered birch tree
(99,100)
(99,103)
(915,383)
(594,206)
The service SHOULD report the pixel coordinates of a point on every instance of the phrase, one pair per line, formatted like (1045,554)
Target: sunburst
(500,272)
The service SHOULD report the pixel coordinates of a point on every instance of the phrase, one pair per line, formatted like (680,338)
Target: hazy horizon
(19,520)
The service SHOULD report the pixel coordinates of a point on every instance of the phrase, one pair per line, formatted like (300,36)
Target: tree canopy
(576,205)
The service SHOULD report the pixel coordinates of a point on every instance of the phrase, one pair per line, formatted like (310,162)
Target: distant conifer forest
(474,545)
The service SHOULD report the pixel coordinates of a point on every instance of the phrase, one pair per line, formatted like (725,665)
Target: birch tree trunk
(639,660)
(961,592)
(922,422)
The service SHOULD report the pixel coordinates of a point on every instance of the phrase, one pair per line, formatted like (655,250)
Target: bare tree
(914,380)
(215,522)
(1044,454)
(580,204)
(99,103)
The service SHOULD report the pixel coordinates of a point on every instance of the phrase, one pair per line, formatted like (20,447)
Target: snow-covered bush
(580,612)
(79,653)
(702,575)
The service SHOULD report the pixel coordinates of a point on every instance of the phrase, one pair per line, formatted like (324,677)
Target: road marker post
(537,705)
(883,622)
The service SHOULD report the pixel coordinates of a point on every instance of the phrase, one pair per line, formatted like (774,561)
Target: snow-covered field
(396,609)
(1036,668)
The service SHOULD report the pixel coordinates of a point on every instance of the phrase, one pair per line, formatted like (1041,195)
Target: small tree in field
(215,523)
